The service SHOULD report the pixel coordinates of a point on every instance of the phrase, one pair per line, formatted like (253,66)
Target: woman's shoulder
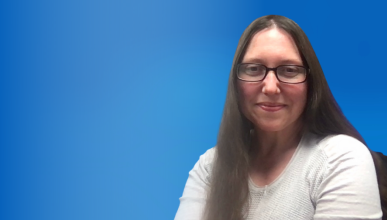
(340,145)
(203,166)
(208,157)
(206,160)
(341,153)
(347,177)
(336,152)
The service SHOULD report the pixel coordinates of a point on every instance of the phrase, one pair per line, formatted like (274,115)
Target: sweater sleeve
(193,200)
(349,189)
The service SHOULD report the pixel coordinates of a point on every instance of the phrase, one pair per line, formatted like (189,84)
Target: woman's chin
(271,126)
(270,129)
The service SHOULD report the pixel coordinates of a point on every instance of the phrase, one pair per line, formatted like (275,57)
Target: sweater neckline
(279,177)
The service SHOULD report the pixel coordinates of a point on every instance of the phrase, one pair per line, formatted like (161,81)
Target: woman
(285,150)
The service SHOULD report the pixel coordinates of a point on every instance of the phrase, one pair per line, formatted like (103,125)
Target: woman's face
(269,104)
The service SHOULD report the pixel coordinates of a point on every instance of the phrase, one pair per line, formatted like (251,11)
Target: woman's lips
(271,107)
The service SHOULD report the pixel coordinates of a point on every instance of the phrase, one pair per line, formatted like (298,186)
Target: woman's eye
(255,70)
(289,71)
(252,69)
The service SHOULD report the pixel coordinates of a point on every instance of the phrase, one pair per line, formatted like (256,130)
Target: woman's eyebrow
(253,60)
(291,61)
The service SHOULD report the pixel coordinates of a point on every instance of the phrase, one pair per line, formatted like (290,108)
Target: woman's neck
(273,143)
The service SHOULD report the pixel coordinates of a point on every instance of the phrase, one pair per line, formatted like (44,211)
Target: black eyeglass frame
(307,71)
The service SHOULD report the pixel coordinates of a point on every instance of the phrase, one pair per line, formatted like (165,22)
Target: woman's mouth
(271,107)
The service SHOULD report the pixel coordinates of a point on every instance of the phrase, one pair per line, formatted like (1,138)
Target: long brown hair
(229,193)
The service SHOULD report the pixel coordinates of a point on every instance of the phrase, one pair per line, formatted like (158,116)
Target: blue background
(107,105)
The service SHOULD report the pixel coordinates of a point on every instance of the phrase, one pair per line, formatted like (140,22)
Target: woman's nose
(271,84)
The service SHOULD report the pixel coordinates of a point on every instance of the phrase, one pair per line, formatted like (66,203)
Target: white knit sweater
(332,178)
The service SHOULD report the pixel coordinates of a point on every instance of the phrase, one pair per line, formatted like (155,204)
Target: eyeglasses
(253,72)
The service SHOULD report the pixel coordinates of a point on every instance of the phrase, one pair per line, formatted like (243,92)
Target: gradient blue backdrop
(106,105)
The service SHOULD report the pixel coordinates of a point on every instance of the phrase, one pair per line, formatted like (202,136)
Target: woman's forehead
(272,43)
